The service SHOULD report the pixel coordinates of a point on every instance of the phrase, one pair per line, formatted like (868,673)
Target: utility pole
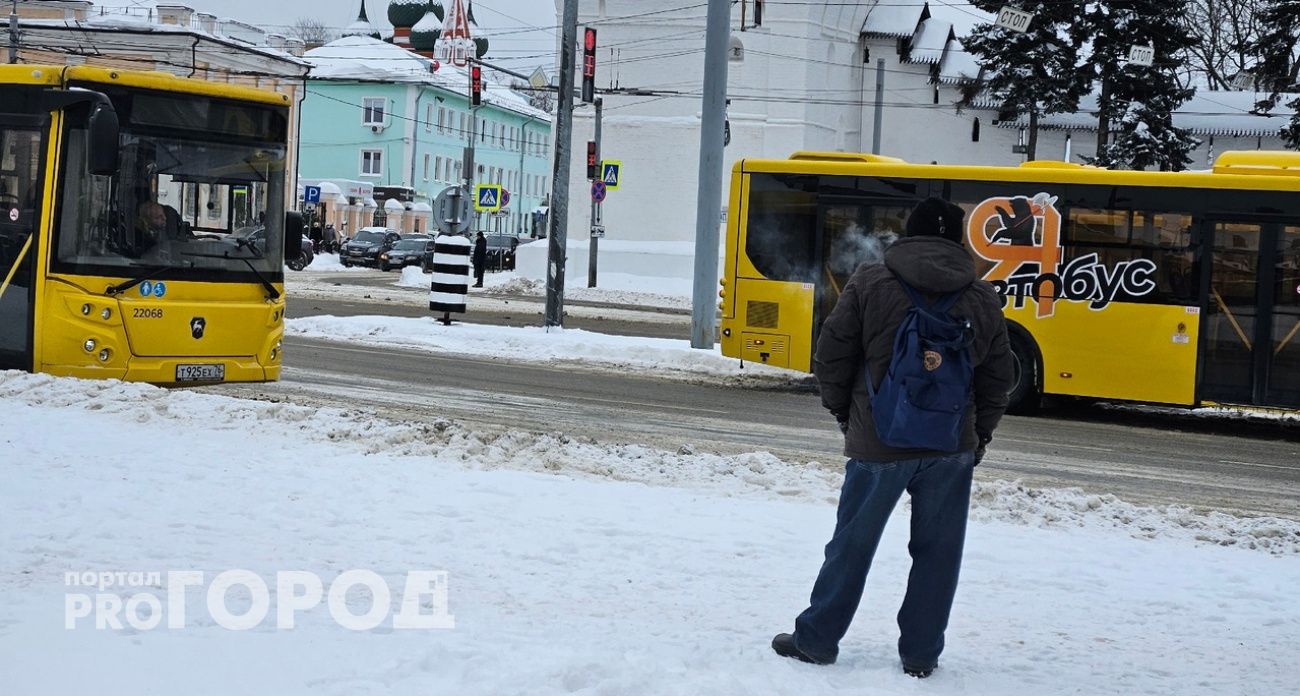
(880,106)
(595,208)
(563,153)
(708,204)
(468,225)
(13,33)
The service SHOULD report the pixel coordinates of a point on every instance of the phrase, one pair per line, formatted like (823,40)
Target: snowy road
(1138,464)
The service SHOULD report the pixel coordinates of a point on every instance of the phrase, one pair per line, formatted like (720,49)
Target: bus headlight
(89,345)
(85,309)
(105,354)
(106,313)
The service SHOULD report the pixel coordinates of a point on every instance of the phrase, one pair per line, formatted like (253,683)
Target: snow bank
(616,257)
(757,473)
(661,356)
(330,263)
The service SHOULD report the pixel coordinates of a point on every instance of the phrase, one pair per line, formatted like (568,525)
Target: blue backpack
(922,399)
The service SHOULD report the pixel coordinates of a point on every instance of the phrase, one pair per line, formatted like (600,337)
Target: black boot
(918,672)
(784,646)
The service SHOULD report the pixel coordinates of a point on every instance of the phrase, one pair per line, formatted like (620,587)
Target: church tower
(455,45)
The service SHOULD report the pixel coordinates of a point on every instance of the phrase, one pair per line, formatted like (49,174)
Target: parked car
(501,251)
(409,251)
(364,249)
(257,235)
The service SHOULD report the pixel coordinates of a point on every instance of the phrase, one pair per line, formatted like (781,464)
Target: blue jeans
(940,490)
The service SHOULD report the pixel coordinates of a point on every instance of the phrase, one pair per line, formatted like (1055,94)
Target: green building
(379,117)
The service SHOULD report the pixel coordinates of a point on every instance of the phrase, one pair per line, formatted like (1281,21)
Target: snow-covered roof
(901,19)
(136,23)
(429,22)
(930,41)
(893,20)
(1207,113)
(957,64)
(363,59)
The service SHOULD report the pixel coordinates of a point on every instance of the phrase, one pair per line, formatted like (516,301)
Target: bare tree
(540,98)
(1224,31)
(313,32)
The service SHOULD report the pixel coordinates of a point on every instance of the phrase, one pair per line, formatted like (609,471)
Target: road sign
(487,198)
(1141,55)
(598,191)
(1013,19)
(311,194)
(538,79)
(597,231)
(505,198)
(451,210)
(610,173)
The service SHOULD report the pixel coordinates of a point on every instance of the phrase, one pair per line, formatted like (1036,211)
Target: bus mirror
(103,141)
(293,227)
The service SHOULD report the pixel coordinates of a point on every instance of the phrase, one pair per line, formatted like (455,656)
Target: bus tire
(1026,393)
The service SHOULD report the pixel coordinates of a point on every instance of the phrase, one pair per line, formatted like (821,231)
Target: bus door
(20,199)
(1250,346)
(851,232)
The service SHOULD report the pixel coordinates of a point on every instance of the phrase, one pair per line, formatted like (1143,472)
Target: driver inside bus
(155,226)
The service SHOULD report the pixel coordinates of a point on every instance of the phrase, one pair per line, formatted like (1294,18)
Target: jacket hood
(931,263)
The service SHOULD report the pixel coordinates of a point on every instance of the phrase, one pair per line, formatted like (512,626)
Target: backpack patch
(923,396)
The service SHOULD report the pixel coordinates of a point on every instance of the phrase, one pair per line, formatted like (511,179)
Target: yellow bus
(142,226)
(1160,287)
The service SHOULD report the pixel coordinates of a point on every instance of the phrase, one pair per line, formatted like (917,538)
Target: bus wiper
(240,242)
(123,287)
(270,289)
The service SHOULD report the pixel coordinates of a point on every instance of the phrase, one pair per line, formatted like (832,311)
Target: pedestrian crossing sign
(610,171)
(487,198)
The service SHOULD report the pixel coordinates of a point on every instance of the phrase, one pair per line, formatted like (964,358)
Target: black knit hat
(935,217)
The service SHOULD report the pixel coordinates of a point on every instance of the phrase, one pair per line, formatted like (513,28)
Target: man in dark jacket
(860,332)
(479,259)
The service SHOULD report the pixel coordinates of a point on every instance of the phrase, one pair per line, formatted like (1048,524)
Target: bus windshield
(182,205)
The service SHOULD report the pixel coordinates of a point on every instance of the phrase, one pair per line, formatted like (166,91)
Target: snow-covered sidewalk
(576,567)
(656,356)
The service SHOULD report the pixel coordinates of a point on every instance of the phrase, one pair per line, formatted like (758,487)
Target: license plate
(200,373)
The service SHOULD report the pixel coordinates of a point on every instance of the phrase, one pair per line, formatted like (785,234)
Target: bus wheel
(1025,395)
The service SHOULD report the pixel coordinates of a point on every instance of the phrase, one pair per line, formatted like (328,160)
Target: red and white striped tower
(455,45)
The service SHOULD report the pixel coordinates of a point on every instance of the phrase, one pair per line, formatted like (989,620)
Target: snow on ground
(658,356)
(615,288)
(326,263)
(578,568)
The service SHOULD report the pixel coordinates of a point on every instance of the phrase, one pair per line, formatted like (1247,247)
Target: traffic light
(592,165)
(476,85)
(589,66)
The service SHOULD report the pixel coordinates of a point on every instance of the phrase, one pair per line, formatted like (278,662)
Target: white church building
(802,76)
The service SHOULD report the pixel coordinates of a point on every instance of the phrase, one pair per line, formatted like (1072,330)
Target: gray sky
(512,19)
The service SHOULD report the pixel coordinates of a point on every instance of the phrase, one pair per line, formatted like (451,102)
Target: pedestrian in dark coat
(480,259)
(858,334)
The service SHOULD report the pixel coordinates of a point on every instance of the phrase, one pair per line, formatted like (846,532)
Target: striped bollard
(450,275)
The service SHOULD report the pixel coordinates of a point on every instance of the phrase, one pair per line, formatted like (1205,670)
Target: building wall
(423,144)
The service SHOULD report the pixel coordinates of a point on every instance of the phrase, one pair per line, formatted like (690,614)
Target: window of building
(373,111)
(372,162)
(426,167)
(462,123)
(428,117)
(442,117)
